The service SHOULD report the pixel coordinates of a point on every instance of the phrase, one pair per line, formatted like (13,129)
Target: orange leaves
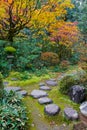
(10,1)
(65,33)
(50,57)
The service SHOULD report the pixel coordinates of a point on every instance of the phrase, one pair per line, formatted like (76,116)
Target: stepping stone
(14,89)
(45,88)
(44,100)
(38,93)
(22,92)
(51,109)
(51,83)
(83,108)
(71,114)
(5,82)
(42,84)
(14,79)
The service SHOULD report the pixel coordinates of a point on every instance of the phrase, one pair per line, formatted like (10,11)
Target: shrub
(49,58)
(83,65)
(10,49)
(64,64)
(1,85)
(73,78)
(12,113)
(66,83)
(19,75)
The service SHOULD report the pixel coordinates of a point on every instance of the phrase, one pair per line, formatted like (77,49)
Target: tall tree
(14,16)
(35,14)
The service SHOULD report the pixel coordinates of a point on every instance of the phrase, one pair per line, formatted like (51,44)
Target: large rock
(38,93)
(70,113)
(45,88)
(51,109)
(51,83)
(44,100)
(83,108)
(14,89)
(22,92)
(77,93)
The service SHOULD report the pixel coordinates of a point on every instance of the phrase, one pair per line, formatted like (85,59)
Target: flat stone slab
(41,84)
(22,92)
(70,113)
(5,82)
(45,88)
(14,89)
(44,100)
(38,93)
(51,83)
(83,108)
(51,109)
(14,79)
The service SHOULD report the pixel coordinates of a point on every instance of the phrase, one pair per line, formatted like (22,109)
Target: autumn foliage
(50,58)
(65,33)
(35,14)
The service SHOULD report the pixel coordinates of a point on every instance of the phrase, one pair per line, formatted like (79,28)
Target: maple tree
(17,14)
(65,33)
(14,16)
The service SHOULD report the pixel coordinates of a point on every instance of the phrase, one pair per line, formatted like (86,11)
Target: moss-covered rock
(1,85)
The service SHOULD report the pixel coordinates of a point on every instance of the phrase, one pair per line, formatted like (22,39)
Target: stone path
(41,95)
(17,90)
(50,108)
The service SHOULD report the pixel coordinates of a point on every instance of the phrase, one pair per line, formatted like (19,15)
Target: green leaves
(12,112)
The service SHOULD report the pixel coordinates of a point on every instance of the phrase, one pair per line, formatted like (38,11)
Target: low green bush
(13,114)
(19,75)
(66,83)
(10,49)
(72,78)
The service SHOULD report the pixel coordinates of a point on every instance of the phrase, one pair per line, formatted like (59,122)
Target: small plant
(10,49)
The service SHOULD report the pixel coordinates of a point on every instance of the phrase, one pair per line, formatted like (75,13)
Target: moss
(33,80)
